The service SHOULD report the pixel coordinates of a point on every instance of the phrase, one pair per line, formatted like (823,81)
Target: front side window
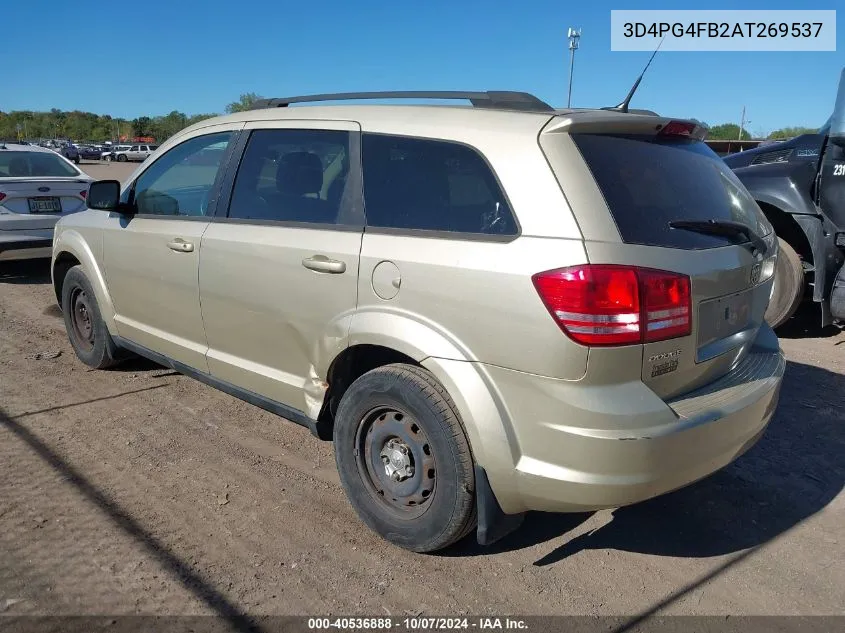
(413,183)
(178,184)
(292,176)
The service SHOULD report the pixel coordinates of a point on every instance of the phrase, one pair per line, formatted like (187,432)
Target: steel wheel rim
(81,319)
(382,433)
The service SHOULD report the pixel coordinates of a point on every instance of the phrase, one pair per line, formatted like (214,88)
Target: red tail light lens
(84,194)
(666,305)
(616,305)
(2,196)
(679,128)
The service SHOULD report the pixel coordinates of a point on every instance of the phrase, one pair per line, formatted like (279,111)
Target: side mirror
(104,195)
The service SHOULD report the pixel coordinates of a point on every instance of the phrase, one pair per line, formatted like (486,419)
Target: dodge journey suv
(489,309)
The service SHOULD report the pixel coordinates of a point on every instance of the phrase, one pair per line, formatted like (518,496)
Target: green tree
(88,126)
(727,132)
(790,132)
(141,126)
(245,102)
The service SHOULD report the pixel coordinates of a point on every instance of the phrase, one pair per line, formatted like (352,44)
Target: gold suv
(489,309)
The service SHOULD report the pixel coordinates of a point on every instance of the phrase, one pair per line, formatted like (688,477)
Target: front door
(279,273)
(831,193)
(152,259)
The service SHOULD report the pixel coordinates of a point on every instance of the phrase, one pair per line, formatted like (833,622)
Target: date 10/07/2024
(417,624)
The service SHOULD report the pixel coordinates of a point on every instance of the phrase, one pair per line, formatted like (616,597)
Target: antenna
(574,37)
(623,107)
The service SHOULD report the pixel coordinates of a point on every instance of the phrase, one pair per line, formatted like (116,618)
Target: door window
(293,176)
(180,182)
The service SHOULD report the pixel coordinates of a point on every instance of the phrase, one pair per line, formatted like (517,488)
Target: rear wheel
(404,459)
(86,330)
(788,287)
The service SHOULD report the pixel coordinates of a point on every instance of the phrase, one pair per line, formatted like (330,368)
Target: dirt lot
(138,490)
(103,170)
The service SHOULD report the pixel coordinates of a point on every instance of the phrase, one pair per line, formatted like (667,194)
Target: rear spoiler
(610,122)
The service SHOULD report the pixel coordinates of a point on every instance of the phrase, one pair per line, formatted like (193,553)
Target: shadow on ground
(192,580)
(27,271)
(807,324)
(791,474)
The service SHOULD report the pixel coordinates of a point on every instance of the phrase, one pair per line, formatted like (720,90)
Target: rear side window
(423,184)
(648,183)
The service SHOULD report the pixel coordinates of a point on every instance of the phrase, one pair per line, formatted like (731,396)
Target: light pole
(742,124)
(574,36)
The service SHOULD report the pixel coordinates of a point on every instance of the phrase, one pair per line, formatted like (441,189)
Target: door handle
(180,246)
(323,264)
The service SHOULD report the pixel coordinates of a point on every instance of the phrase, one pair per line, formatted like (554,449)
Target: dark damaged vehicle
(800,186)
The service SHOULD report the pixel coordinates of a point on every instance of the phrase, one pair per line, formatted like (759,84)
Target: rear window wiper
(725,228)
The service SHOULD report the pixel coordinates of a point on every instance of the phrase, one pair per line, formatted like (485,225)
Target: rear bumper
(24,246)
(621,444)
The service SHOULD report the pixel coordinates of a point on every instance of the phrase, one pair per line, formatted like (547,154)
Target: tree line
(87,126)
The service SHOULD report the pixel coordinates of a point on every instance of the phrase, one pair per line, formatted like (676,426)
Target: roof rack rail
(495,99)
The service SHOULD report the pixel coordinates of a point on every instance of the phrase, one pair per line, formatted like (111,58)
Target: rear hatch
(649,195)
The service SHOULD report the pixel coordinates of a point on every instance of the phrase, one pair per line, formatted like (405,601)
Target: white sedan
(37,187)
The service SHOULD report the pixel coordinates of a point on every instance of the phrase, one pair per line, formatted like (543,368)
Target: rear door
(628,187)
(279,265)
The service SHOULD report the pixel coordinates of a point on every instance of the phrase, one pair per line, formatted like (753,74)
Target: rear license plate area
(722,317)
(45,204)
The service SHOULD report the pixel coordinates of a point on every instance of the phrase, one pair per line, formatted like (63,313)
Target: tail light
(2,196)
(84,194)
(616,305)
(686,129)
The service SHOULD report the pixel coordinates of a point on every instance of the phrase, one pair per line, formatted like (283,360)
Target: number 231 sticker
(839,170)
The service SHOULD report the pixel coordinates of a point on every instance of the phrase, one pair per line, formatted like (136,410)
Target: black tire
(788,288)
(93,344)
(76,160)
(121,158)
(435,506)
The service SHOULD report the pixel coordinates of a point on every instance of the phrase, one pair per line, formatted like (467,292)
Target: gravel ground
(138,490)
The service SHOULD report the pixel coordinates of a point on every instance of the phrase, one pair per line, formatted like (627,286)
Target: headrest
(18,167)
(299,173)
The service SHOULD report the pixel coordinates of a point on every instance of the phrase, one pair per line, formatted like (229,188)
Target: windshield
(649,182)
(34,165)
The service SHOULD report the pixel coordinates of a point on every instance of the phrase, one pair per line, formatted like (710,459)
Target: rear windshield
(34,164)
(650,182)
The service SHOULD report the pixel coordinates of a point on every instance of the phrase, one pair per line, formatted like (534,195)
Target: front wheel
(85,327)
(788,286)
(121,158)
(404,459)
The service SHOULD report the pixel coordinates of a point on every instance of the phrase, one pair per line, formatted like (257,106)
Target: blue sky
(150,57)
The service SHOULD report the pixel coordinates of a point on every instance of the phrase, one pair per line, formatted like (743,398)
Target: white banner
(706,30)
